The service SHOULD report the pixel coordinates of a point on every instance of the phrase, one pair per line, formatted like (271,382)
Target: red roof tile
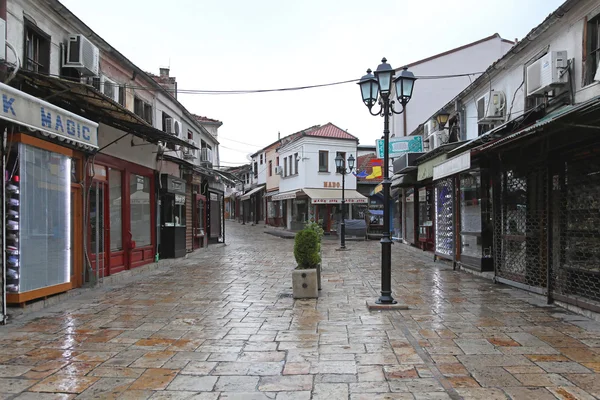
(329,130)
(206,119)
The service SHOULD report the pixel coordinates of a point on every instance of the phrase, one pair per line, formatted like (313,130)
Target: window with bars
(592,50)
(37,49)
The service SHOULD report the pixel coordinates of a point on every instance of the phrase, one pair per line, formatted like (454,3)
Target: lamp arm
(378,112)
(394,111)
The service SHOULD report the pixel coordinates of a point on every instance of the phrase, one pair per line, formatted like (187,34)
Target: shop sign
(24,109)
(213,197)
(179,199)
(332,185)
(425,170)
(284,196)
(400,145)
(452,166)
(338,201)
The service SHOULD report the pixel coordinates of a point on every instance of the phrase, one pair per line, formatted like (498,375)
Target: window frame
(591,55)
(285,167)
(296,163)
(43,48)
(325,167)
(270,167)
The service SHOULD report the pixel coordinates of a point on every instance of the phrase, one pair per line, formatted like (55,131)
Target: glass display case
(475,221)
(173,218)
(444,218)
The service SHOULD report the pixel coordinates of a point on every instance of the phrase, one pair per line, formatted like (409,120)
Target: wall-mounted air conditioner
(173,127)
(278,170)
(190,154)
(439,138)
(82,55)
(547,72)
(491,107)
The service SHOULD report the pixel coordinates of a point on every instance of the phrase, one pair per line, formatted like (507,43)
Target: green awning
(425,170)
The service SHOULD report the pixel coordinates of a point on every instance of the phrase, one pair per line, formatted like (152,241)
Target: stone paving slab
(221,324)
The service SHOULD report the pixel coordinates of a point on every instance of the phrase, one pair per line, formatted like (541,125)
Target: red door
(97,231)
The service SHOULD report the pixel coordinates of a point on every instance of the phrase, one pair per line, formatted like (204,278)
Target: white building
(431,94)
(309,185)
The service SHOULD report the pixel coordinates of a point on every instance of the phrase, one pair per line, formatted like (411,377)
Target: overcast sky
(264,44)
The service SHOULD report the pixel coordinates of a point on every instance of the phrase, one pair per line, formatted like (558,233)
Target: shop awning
(24,109)
(404,180)
(250,193)
(334,196)
(285,195)
(272,193)
(96,106)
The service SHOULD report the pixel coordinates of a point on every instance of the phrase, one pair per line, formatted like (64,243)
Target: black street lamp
(341,169)
(377,89)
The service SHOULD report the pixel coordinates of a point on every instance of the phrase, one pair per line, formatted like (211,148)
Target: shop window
(323,161)
(174,210)
(592,50)
(116,210)
(45,218)
(141,212)
(37,49)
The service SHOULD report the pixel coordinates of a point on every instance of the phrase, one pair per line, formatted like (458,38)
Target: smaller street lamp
(340,167)
(442,118)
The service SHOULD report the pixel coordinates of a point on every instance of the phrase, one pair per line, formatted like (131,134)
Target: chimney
(278,135)
(164,72)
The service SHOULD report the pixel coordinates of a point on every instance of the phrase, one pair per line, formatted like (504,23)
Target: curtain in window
(45,218)
(139,197)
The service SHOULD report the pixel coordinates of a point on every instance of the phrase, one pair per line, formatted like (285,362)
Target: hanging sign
(400,145)
(452,166)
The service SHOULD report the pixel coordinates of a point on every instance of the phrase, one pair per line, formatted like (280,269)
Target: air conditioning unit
(278,170)
(173,127)
(82,55)
(440,138)
(548,71)
(190,154)
(491,107)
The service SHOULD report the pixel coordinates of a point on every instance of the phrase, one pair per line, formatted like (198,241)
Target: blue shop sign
(24,109)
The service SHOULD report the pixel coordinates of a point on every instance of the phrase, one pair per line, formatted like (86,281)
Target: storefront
(253,205)
(43,170)
(173,217)
(277,206)
(121,215)
(324,206)
(215,211)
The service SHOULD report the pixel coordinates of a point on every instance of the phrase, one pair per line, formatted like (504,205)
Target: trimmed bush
(306,249)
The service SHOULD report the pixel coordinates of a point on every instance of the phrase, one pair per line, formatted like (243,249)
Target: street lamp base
(387,299)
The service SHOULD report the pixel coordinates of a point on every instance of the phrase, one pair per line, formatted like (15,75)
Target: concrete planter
(319,276)
(305,284)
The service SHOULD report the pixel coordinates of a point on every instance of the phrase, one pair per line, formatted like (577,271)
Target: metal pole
(3,150)
(386,242)
(343,226)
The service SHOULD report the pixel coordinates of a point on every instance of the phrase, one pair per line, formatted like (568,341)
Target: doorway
(97,231)
(198,220)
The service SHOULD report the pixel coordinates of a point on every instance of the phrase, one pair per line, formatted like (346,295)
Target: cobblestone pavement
(221,325)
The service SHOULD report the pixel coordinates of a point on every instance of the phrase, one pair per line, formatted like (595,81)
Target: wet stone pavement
(221,324)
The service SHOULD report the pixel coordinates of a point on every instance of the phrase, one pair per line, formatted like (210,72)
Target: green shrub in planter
(306,249)
(315,227)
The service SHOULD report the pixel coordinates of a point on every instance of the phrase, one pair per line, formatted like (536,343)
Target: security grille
(521,226)
(444,217)
(576,209)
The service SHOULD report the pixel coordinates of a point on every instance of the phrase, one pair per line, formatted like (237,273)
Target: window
(122,96)
(296,159)
(285,170)
(291,165)
(141,213)
(109,88)
(143,110)
(261,159)
(343,155)
(190,135)
(592,50)
(277,163)
(255,170)
(37,49)
(270,167)
(115,192)
(323,161)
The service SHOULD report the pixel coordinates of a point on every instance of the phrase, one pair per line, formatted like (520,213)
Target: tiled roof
(329,130)
(206,119)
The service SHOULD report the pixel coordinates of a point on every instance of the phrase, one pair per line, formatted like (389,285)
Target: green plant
(312,225)
(306,249)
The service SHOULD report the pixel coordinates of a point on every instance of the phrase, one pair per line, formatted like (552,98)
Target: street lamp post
(341,169)
(377,89)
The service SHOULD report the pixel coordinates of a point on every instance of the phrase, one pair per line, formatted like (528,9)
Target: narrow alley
(221,324)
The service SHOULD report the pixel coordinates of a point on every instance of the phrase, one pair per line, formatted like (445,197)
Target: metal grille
(521,225)
(576,210)
(444,217)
